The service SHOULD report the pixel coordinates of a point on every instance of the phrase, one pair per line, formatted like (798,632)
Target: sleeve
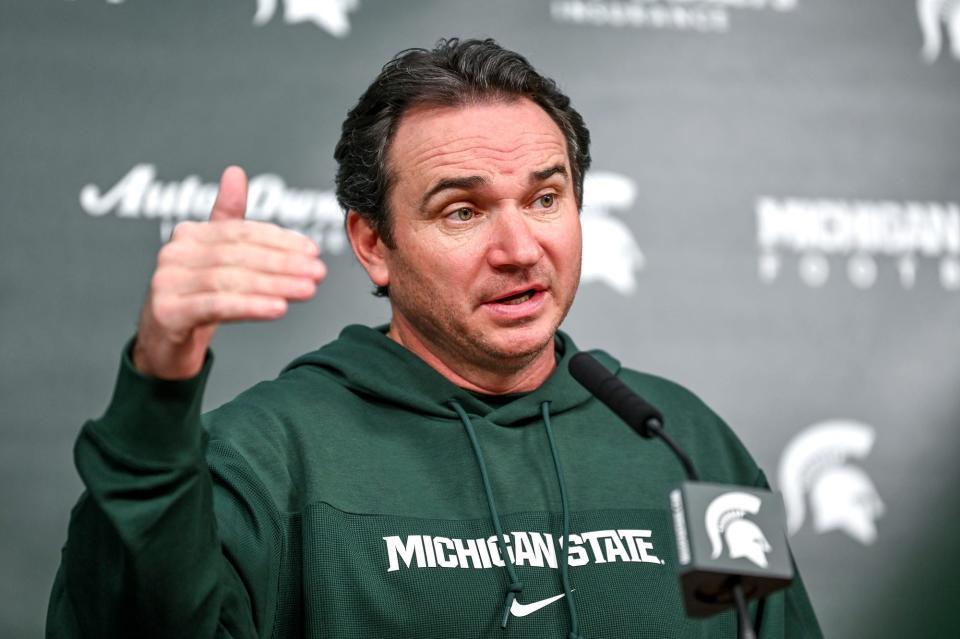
(144,554)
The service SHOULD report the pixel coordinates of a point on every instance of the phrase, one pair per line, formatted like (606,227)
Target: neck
(498,377)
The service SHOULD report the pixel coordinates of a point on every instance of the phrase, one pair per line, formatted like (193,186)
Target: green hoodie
(359,495)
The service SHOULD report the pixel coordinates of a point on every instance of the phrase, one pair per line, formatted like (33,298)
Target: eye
(463,214)
(547,200)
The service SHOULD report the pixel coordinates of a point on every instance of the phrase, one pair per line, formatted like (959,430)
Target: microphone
(630,407)
(731,540)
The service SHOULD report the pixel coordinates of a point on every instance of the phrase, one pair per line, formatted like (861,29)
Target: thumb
(231,202)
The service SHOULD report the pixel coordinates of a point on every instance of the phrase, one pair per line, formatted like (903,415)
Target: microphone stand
(655,429)
(647,421)
(745,627)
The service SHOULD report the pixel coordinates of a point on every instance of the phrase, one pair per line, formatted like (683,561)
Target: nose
(514,242)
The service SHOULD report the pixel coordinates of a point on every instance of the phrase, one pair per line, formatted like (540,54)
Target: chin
(520,344)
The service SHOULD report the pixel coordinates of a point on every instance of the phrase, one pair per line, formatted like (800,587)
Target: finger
(214,308)
(231,202)
(190,255)
(228,279)
(251,232)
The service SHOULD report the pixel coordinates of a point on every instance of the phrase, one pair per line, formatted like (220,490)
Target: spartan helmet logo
(842,497)
(936,16)
(725,517)
(610,252)
(329,15)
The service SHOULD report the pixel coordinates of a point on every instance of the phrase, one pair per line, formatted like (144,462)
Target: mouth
(517,297)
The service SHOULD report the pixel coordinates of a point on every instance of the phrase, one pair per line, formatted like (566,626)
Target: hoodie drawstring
(564,573)
(515,588)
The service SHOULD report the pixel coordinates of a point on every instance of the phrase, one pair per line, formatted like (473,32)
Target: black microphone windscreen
(618,397)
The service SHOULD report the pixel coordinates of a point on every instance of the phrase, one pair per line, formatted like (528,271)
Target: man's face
(486,233)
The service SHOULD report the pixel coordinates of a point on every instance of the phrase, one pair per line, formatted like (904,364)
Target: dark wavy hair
(454,73)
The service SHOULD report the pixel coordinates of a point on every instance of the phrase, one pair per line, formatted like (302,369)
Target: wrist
(167,361)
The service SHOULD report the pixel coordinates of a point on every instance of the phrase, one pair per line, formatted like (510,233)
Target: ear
(368,247)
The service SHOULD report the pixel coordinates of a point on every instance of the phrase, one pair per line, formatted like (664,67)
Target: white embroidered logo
(518,609)
(611,254)
(842,496)
(524,548)
(329,15)
(725,520)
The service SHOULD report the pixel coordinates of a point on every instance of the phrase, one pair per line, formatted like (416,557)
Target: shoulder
(269,433)
(717,452)
(664,393)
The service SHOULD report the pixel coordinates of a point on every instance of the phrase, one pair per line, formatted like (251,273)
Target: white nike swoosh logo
(518,609)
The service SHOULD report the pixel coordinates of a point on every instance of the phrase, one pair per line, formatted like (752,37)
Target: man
(440,477)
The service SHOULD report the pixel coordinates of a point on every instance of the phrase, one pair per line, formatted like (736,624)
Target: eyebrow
(446,184)
(473,181)
(540,176)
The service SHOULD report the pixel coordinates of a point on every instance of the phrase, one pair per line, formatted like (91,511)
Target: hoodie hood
(369,363)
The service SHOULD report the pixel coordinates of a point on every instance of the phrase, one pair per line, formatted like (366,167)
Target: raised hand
(225,270)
